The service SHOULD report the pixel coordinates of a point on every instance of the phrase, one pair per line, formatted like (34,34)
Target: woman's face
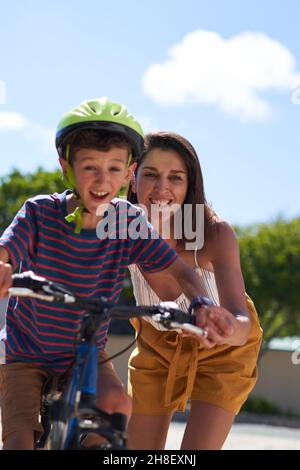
(162,180)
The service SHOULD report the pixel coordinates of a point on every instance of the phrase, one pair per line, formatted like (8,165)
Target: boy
(55,236)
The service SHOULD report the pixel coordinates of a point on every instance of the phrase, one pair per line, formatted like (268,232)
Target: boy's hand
(5,278)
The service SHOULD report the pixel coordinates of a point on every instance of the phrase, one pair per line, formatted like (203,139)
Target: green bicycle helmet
(103,114)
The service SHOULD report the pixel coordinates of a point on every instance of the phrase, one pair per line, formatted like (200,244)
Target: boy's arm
(5,272)
(192,286)
(188,279)
(222,326)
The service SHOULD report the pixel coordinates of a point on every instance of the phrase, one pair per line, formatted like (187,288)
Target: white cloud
(12,121)
(228,73)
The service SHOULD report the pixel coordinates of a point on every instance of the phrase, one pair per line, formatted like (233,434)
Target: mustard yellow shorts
(166,369)
(21,389)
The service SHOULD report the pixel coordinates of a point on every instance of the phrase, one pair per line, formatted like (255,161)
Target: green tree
(16,187)
(270,258)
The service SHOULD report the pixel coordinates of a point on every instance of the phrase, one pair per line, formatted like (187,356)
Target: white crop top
(145,295)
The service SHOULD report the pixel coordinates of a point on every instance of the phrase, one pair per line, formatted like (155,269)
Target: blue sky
(225,74)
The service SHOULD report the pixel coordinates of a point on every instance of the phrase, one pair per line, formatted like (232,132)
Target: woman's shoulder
(220,236)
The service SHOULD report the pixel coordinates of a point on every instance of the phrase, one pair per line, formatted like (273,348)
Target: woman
(167,368)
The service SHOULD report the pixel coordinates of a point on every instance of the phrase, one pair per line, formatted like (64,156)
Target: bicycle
(74,413)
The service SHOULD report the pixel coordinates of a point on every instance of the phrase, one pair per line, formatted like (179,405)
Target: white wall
(279,380)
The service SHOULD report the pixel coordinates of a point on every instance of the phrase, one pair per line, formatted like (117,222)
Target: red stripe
(17,248)
(146,247)
(70,236)
(14,338)
(28,346)
(113,226)
(163,255)
(96,258)
(78,266)
(81,249)
(30,235)
(37,315)
(162,267)
(75,275)
(74,265)
(65,253)
(39,341)
(58,310)
(136,246)
(99,268)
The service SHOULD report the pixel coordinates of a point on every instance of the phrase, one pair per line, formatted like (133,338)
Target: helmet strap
(70,182)
(76,217)
(129,160)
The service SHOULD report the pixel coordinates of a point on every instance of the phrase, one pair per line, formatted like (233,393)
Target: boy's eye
(89,168)
(115,169)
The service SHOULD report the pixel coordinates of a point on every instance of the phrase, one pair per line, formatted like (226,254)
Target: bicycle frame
(75,412)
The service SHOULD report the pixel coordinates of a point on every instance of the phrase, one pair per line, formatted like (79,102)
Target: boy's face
(100,175)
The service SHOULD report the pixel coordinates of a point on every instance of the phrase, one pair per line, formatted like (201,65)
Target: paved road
(242,436)
(247,437)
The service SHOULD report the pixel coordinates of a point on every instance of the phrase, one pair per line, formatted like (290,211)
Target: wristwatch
(199,301)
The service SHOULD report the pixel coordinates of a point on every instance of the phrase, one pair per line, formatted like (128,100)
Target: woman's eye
(176,178)
(150,175)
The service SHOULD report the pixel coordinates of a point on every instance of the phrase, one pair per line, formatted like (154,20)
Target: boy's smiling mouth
(99,195)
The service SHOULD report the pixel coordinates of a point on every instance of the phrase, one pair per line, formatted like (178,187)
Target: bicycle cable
(119,353)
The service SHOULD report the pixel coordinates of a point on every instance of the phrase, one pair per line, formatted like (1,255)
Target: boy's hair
(101,140)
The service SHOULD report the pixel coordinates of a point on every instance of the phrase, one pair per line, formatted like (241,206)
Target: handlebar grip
(198,302)
(176,314)
(29,280)
(182,317)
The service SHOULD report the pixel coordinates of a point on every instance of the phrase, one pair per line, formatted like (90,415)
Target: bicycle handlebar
(28,284)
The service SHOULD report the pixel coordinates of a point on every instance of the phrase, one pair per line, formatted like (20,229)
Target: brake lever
(29,284)
(170,317)
(29,280)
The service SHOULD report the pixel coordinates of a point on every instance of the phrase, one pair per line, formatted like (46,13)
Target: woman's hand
(222,327)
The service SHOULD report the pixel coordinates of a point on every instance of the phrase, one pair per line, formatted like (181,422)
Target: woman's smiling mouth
(161,202)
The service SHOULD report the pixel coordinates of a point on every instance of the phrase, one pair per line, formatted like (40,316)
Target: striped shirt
(39,238)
